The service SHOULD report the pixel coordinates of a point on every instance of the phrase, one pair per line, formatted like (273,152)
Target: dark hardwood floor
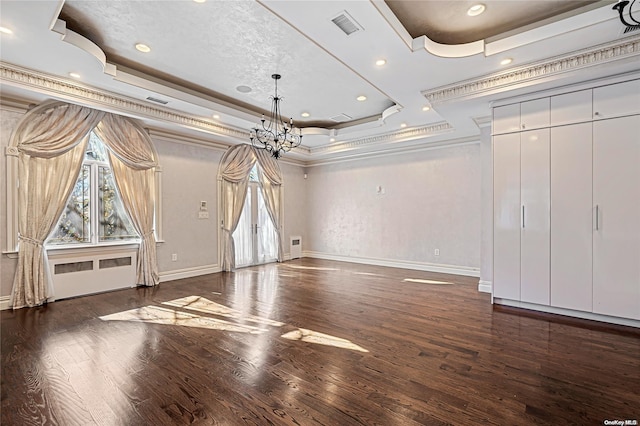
(310,342)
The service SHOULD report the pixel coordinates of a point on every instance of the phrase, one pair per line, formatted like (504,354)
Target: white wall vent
(340,118)
(346,23)
(295,247)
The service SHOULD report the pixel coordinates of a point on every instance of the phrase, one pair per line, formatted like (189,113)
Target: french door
(255,237)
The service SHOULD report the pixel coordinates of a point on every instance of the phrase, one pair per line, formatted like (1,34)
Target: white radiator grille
(295,247)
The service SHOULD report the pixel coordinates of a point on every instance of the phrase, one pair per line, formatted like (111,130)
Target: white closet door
(506,220)
(616,240)
(535,244)
(506,119)
(534,114)
(571,217)
(570,108)
(616,100)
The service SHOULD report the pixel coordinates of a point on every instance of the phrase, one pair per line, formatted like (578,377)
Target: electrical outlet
(174,257)
(436,252)
(203,215)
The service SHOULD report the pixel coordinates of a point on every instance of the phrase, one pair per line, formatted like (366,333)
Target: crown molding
(527,74)
(401,136)
(400,150)
(102,99)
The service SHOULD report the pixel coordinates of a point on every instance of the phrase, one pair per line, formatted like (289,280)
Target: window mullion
(95,208)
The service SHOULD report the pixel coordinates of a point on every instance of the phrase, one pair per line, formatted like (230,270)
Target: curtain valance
(54,128)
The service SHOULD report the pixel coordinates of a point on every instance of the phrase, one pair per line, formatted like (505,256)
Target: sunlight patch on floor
(159,315)
(201,304)
(315,268)
(162,315)
(416,280)
(370,274)
(311,336)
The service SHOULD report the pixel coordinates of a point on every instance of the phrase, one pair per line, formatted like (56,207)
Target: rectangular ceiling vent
(346,23)
(340,118)
(156,100)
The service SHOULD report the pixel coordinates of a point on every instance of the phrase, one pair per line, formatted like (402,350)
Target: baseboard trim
(5,303)
(404,264)
(179,274)
(485,286)
(568,312)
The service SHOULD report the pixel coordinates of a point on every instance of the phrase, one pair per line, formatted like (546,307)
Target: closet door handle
(597,217)
(523,216)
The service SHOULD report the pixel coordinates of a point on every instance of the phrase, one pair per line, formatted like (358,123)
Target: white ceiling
(201,53)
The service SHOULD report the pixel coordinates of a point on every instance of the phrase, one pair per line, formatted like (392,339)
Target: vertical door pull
(523,216)
(597,217)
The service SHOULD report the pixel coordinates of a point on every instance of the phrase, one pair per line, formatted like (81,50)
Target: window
(94,213)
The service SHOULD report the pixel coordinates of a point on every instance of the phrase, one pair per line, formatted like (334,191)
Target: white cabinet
(616,100)
(570,108)
(567,203)
(571,217)
(534,231)
(534,114)
(506,119)
(506,210)
(521,216)
(528,115)
(616,238)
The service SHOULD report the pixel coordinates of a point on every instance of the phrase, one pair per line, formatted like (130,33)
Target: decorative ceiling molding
(527,74)
(402,136)
(93,97)
(400,150)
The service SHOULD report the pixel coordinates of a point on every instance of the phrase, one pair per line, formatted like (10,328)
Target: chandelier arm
(278,137)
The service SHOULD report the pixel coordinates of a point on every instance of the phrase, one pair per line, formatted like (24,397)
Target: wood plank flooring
(361,346)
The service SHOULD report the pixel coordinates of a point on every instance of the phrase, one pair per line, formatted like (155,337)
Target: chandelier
(278,136)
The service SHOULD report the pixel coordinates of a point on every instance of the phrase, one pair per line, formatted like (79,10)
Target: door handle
(523,216)
(597,217)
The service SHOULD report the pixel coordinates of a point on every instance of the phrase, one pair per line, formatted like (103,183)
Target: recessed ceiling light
(381,62)
(506,61)
(361,98)
(426,108)
(332,139)
(5,30)
(199,1)
(403,125)
(476,9)
(305,114)
(74,75)
(143,48)
(243,89)
(215,116)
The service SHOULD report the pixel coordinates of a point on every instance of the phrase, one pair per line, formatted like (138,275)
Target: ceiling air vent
(340,118)
(346,23)
(156,100)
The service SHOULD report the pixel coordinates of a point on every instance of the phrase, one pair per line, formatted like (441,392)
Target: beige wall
(431,201)
(189,175)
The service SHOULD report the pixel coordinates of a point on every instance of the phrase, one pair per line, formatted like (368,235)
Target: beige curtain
(271,182)
(51,140)
(235,167)
(133,161)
